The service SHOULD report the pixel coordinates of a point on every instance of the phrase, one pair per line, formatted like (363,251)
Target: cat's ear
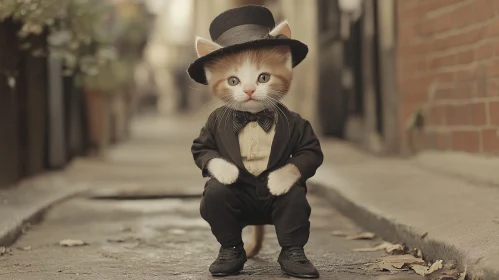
(282,29)
(204,46)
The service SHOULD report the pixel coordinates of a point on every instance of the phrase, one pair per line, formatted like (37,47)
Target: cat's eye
(263,78)
(233,81)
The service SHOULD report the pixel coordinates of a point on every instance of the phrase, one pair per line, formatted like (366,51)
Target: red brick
(494,112)
(435,25)
(493,28)
(465,90)
(457,115)
(484,10)
(465,57)
(466,141)
(490,141)
(406,5)
(468,75)
(493,87)
(443,61)
(443,141)
(407,33)
(437,68)
(463,16)
(444,77)
(485,51)
(444,93)
(435,116)
(466,38)
(478,114)
(493,68)
(412,49)
(438,4)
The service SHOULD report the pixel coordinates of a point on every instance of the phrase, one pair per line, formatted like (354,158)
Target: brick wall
(448,66)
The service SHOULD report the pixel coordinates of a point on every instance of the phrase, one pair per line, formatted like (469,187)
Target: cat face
(250,80)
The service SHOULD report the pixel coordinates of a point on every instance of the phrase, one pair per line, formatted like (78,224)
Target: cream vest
(255,146)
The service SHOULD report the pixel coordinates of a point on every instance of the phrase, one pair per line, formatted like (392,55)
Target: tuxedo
(248,201)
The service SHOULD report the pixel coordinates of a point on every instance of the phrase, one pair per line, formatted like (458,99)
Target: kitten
(251,80)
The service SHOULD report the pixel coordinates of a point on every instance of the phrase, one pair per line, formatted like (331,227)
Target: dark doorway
(332,99)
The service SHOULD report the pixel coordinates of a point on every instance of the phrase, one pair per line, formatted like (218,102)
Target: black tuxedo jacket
(294,142)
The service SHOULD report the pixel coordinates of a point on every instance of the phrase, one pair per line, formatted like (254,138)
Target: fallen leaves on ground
(396,263)
(424,270)
(436,271)
(360,236)
(447,272)
(72,243)
(385,246)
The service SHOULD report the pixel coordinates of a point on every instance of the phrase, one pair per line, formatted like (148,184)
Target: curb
(31,200)
(394,231)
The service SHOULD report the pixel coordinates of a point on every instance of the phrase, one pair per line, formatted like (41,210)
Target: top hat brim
(298,53)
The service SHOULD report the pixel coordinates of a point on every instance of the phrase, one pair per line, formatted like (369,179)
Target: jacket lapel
(284,128)
(229,138)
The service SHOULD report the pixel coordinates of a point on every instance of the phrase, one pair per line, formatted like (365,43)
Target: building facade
(448,69)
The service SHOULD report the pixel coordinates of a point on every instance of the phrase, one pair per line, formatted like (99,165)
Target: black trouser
(228,209)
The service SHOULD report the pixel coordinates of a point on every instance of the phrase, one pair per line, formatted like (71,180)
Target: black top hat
(242,28)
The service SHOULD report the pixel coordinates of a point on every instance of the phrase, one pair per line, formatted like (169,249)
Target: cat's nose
(249,92)
(249,89)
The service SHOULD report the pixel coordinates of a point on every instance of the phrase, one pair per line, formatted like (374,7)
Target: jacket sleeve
(204,147)
(307,156)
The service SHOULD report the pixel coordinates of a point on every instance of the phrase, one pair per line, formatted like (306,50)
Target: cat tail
(253,247)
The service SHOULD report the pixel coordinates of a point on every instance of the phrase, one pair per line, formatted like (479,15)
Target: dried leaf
(27,248)
(424,270)
(72,243)
(448,272)
(385,246)
(339,233)
(397,262)
(435,266)
(363,235)
(462,276)
(400,277)
(420,269)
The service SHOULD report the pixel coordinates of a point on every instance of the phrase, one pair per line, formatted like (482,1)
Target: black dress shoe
(230,261)
(294,263)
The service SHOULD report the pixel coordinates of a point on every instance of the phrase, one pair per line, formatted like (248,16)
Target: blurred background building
(392,76)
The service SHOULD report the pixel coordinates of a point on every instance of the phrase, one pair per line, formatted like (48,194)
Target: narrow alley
(162,237)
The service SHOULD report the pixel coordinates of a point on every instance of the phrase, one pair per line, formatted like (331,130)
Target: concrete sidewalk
(135,168)
(446,216)
(160,238)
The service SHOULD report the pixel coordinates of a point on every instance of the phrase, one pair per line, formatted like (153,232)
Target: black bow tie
(264,118)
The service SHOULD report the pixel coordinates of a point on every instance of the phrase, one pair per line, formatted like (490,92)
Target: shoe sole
(309,276)
(228,274)
(218,275)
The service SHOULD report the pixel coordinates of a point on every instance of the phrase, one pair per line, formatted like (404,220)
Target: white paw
(224,171)
(281,180)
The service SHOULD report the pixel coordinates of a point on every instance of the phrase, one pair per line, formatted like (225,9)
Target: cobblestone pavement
(160,238)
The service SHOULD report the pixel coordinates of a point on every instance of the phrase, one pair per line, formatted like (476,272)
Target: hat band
(242,34)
